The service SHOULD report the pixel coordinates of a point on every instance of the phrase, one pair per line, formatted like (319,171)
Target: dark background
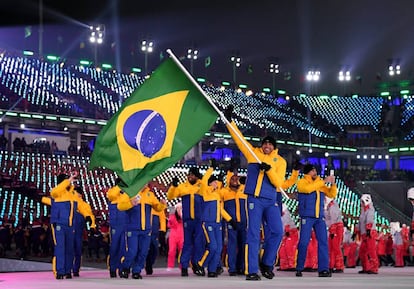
(363,35)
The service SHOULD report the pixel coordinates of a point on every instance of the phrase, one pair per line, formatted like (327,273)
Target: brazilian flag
(155,127)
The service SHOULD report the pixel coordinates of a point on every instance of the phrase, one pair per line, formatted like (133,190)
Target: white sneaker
(169,269)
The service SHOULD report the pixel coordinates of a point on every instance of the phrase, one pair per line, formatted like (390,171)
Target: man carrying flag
(265,173)
(155,127)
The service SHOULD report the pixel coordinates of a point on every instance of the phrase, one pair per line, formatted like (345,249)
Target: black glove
(228,112)
(297,166)
(264,166)
(175,181)
(233,224)
(368,233)
(88,220)
(331,236)
(287,234)
(242,180)
(88,223)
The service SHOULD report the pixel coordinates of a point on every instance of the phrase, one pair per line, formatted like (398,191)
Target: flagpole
(177,61)
(225,120)
(222,116)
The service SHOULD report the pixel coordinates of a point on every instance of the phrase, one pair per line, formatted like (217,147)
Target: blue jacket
(191,198)
(213,208)
(311,196)
(139,216)
(117,218)
(235,202)
(65,202)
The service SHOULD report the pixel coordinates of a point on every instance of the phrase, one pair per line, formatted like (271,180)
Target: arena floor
(37,275)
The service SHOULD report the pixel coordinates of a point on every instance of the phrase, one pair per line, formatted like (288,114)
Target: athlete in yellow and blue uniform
(213,212)
(117,221)
(138,229)
(264,177)
(64,202)
(192,201)
(234,200)
(311,197)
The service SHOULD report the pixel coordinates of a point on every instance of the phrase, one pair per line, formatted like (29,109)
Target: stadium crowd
(208,241)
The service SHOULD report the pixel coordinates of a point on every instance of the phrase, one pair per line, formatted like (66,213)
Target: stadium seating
(38,85)
(345,111)
(42,171)
(33,84)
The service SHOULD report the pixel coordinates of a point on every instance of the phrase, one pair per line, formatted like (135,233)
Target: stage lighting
(96,37)
(344,75)
(147,47)
(313,75)
(97,33)
(394,70)
(236,62)
(192,54)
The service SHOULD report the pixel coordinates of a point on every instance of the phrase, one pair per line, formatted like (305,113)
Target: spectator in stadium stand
(84,150)
(368,233)
(23,144)
(72,150)
(138,229)
(192,201)
(264,177)
(311,197)
(117,221)
(3,142)
(17,147)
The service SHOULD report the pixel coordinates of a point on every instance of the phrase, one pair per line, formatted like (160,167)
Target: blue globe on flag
(145,131)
